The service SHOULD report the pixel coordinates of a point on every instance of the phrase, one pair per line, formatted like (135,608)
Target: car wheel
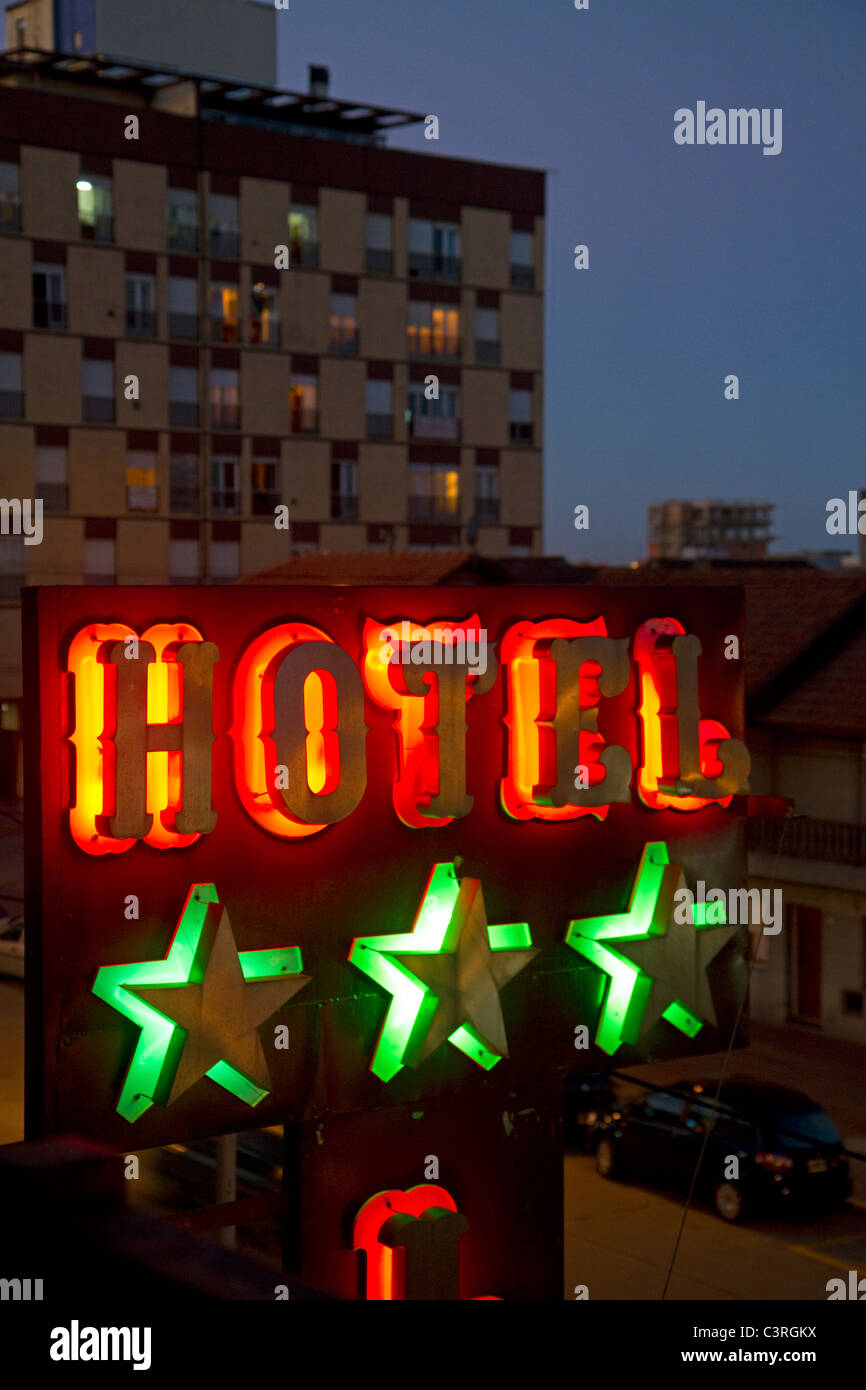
(606,1159)
(728,1201)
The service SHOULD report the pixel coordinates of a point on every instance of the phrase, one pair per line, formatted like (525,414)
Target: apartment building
(216,301)
(706,530)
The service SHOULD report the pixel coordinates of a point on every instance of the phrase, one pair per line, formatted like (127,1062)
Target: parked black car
(587,1097)
(788,1149)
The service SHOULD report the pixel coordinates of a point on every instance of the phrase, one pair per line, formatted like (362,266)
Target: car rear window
(813,1125)
(664,1105)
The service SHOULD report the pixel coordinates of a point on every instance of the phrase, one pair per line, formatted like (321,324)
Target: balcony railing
(55,496)
(520,432)
(380,262)
(304,253)
(184,499)
(11,405)
(98,409)
(343,340)
(304,422)
(10,587)
(224,241)
(433,266)
(49,313)
(264,501)
(487,508)
(182,236)
(225,502)
(380,426)
(522,277)
(344,506)
(183,413)
(433,508)
(10,213)
(836,842)
(183,326)
(265,332)
(487,351)
(100,229)
(434,427)
(225,415)
(223,330)
(422,343)
(141,323)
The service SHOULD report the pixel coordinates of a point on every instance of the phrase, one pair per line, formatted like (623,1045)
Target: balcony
(434,427)
(224,241)
(182,236)
(184,499)
(183,413)
(304,253)
(225,415)
(11,405)
(344,506)
(55,496)
(433,508)
(522,277)
(380,426)
(487,351)
(487,509)
(10,587)
(424,344)
(520,432)
(49,313)
(264,501)
(100,229)
(379,262)
(140,323)
(428,266)
(98,409)
(836,842)
(343,340)
(183,326)
(10,214)
(224,330)
(265,332)
(304,422)
(225,502)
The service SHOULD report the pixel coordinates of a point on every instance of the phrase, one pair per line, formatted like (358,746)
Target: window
(344,490)
(303,405)
(487,335)
(434,330)
(183,395)
(141,305)
(10,199)
(436,419)
(183,561)
(182,308)
(13,567)
(265,315)
(222,307)
(304,235)
(99,561)
(344,323)
(379,243)
(225,403)
(225,485)
(486,493)
(11,395)
(142,493)
(184,483)
(21,33)
(224,560)
(77,39)
(266,490)
(49,296)
(182,219)
(434,249)
(380,418)
(97,390)
(223,235)
(522,260)
(434,492)
(95,218)
(520,417)
(50,468)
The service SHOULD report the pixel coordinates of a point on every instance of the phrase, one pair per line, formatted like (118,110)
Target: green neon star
(444,977)
(674,986)
(202,979)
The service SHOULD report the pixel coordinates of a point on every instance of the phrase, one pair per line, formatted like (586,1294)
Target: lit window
(303,405)
(434,330)
(222,303)
(303,235)
(344,323)
(141,485)
(94,206)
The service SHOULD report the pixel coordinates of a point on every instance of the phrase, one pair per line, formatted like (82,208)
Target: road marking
(814,1255)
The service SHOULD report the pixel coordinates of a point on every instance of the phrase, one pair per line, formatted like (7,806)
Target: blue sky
(704,261)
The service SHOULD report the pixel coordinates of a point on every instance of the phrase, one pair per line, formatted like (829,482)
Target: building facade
(697,530)
(219,302)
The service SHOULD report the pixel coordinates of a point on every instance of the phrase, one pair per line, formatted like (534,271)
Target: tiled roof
(369,568)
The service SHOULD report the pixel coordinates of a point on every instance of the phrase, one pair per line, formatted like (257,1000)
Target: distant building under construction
(709,530)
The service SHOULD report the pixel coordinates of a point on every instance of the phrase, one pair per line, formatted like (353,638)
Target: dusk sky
(704,260)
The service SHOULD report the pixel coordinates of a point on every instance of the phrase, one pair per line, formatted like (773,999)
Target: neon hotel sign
(143,726)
